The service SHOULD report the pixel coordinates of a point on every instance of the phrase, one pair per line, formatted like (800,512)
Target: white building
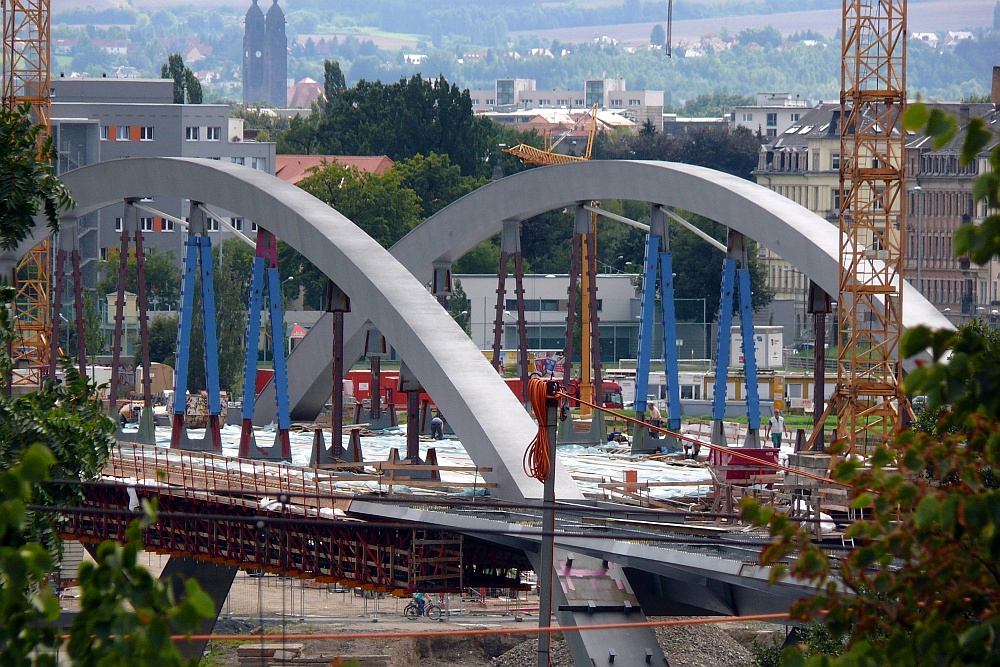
(771,116)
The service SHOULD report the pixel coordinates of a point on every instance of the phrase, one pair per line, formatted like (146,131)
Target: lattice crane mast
(25,70)
(870,310)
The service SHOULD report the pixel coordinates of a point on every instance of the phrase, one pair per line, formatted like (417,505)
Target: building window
(772,132)
(168,225)
(562,103)
(239,160)
(213,133)
(212,224)
(772,120)
(835,161)
(475,101)
(747,117)
(253,227)
(105,132)
(578,103)
(146,134)
(616,103)
(634,103)
(119,224)
(146,224)
(237,223)
(104,254)
(491,103)
(260,163)
(544,103)
(191,133)
(795,118)
(121,133)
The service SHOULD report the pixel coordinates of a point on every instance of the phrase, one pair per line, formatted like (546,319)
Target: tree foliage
(28,183)
(922,583)
(163,277)
(380,204)
(184,80)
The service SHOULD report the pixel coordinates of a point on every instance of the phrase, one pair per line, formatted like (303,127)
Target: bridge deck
(277,518)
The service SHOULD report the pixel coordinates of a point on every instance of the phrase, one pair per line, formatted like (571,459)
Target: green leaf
(915,341)
(976,139)
(916,117)
(199,599)
(927,513)
(942,127)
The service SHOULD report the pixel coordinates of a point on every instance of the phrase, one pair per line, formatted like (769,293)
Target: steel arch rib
(804,239)
(493,426)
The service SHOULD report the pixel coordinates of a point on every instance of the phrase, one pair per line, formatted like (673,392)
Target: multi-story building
(546,304)
(771,116)
(803,164)
(939,200)
(91,123)
(510,95)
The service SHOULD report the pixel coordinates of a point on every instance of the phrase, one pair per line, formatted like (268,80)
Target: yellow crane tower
(548,156)
(25,72)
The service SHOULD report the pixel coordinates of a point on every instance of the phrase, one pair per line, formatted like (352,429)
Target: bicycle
(431,611)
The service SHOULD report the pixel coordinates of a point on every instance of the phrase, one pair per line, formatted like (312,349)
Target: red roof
(293,168)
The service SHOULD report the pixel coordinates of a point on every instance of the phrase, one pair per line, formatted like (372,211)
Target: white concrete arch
(801,237)
(484,414)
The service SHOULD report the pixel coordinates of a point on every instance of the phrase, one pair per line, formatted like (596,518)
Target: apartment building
(94,120)
(803,164)
(511,95)
(771,116)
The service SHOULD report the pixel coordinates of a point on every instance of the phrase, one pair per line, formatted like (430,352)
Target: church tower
(265,57)
(254,89)
(276,56)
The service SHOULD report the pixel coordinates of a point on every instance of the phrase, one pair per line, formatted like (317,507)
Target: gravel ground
(687,646)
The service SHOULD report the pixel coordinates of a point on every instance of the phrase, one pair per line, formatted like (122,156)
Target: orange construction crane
(25,70)
(869,400)
(532,155)
(537,156)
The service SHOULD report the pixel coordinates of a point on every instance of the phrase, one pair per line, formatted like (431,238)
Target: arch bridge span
(804,239)
(387,287)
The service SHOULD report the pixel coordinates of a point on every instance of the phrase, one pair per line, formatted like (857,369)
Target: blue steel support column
(722,351)
(646,320)
(280,373)
(250,357)
(253,335)
(670,341)
(642,441)
(214,427)
(211,334)
(183,355)
(749,353)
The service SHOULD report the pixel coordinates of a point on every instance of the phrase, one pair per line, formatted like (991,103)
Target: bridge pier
(214,578)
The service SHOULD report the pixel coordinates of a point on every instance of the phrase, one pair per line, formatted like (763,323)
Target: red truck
(358,384)
(612,398)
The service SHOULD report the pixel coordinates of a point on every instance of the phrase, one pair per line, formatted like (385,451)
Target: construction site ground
(265,609)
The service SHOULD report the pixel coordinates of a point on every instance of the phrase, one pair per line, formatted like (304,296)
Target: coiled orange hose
(536,457)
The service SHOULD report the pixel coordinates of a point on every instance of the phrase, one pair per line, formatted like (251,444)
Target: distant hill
(935,16)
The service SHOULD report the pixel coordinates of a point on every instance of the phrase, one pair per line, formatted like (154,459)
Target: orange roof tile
(293,168)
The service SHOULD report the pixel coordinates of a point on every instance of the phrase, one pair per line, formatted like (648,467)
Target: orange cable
(536,457)
(496,631)
(729,450)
